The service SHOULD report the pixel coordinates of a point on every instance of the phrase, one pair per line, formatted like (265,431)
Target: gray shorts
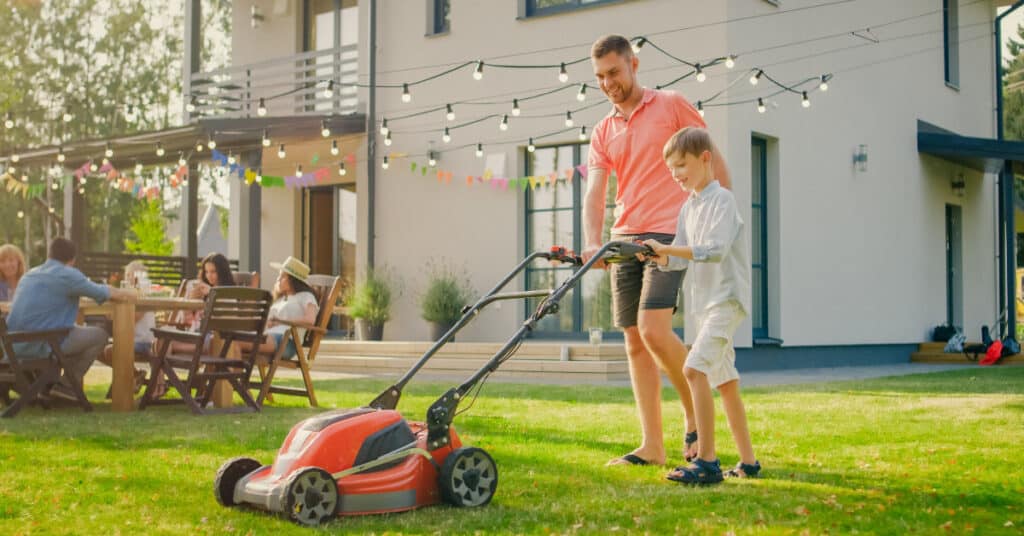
(641,285)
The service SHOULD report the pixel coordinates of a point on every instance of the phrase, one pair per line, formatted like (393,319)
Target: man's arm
(721,169)
(123,294)
(593,213)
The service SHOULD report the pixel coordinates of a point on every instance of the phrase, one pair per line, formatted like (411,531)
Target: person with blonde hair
(12,267)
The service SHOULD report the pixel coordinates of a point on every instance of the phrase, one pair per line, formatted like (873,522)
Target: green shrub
(371,299)
(446,294)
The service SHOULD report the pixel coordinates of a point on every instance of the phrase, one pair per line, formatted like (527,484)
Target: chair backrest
(238,310)
(247,279)
(327,288)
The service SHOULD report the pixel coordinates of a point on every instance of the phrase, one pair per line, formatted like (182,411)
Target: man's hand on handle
(588,252)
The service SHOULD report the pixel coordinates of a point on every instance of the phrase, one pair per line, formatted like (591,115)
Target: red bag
(993,354)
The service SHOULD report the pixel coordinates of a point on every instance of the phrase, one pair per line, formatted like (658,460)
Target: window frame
(951,43)
(528,8)
(437,23)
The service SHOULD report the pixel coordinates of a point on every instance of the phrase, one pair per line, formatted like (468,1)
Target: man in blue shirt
(47,298)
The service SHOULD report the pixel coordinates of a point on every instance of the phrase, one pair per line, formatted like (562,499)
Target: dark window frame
(760,269)
(951,43)
(437,21)
(528,8)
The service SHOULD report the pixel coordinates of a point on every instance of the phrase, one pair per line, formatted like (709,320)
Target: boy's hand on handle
(588,252)
(659,258)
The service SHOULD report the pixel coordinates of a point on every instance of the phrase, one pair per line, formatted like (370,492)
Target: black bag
(943,333)
(1010,346)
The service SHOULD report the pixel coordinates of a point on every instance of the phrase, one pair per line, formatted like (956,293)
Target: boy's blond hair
(689,140)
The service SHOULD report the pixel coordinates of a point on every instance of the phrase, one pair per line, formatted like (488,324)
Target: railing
(292,85)
(109,267)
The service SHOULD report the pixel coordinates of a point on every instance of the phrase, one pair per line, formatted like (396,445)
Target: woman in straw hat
(294,301)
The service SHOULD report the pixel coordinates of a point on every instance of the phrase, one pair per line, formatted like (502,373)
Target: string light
(67,117)
(92,167)
(24,178)
(431,159)
(129,113)
(504,123)
(199,146)
(755,78)
(81,191)
(384,164)
(700,74)
(515,108)
(806,102)
(582,95)
(193,103)
(823,86)
(60,155)
(478,73)
(210,142)
(568,119)
(138,168)
(449,113)
(231,159)
(280,151)
(21,214)
(530,146)
(760,105)
(159,149)
(563,76)
(9,120)
(639,44)
(261,109)
(446,137)
(329,90)
(259,176)
(730,61)
(384,127)
(700,108)
(108,152)
(341,169)
(266,139)
(406,96)
(181,159)
(54,186)
(51,209)
(387,139)
(583,133)
(324,130)
(298,171)
(15,157)
(106,160)
(479,150)
(334,147)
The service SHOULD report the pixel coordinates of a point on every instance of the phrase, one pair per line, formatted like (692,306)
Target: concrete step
(549,351)
(516,367)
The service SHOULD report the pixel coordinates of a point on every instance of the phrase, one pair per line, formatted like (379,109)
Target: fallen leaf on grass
(802,511)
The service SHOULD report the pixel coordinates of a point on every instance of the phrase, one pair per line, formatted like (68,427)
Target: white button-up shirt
(710,223)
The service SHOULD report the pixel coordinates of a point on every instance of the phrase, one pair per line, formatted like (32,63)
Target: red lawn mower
(371,460)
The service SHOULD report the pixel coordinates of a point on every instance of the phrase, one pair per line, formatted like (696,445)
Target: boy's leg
(737,416)
(704,411)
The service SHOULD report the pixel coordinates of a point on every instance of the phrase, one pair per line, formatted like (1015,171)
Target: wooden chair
(246,279)
(327,288)
(32,378)
(233,314)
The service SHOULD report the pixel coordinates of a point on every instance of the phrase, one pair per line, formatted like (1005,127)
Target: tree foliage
(149,231)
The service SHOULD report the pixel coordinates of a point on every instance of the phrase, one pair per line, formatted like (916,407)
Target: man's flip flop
(630,459)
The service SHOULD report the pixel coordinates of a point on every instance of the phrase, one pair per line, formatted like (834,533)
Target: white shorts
(712,352)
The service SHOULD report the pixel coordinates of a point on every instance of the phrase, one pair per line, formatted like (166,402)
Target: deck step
(933,352)
(516,367)
(550,351)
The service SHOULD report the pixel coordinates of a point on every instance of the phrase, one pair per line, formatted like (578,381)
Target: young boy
(710,239)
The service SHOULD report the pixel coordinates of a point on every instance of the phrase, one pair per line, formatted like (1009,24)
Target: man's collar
(649,95)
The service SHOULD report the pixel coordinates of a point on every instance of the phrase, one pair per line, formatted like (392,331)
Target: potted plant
(369,303)
(446,294)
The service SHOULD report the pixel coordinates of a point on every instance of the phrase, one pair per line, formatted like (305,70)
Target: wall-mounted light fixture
(959,185)
(255,17)
(860,158)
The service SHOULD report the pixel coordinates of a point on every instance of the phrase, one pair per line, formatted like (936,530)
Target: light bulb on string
(805,102)
(700,74)
(387,139)
(700,108)
(138,168)
(81,191)
(60,155)
(582,95)
(431,159)
(129,113)
(329,90)
(211,143)
(406,96)
(515,108)
(504,123)
(24,178)
(280,151)
(67,117)
(730,61)
(160,149)
(261,109)
(92,167)
(9,120)
(583,133)
(478,73)
(563,76)
(192,104)
(259,176)
(83,181)
(384,127)
(341,169)
(199,146)
(231,159)
(266,138)
(568,119)
(54,186)
(639,44)
(823,86)
(21,214)
(298,171)
(756,77)
(479,150)
(325,131)
(181,159)
(760,105)
(449,113)
(446,137)
(108,152)
(15,158)
(530,146)
(334,147)
(384,164)
(106,160)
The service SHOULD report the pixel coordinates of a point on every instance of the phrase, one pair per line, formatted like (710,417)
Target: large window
(332,25)
(951,34)
(554,217)
(759,237)
(437,16)
(533,8)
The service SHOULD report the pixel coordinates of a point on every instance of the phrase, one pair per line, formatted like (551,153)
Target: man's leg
(646,381)
(82,346)
(655,328)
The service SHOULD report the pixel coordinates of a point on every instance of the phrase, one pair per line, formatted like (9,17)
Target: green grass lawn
(927,454)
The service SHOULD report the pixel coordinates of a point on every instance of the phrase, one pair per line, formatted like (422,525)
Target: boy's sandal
(743,470)
(700,472)
(691,438)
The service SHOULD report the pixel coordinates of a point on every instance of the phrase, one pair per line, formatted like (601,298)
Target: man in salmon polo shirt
(628,142)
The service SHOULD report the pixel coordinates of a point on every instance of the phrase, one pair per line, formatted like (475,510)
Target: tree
(147,226)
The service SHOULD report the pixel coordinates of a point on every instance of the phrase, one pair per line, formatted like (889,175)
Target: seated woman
(215,272)
(294,300)
(12,267)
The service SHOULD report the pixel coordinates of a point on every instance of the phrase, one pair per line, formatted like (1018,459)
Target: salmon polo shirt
(647,199)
